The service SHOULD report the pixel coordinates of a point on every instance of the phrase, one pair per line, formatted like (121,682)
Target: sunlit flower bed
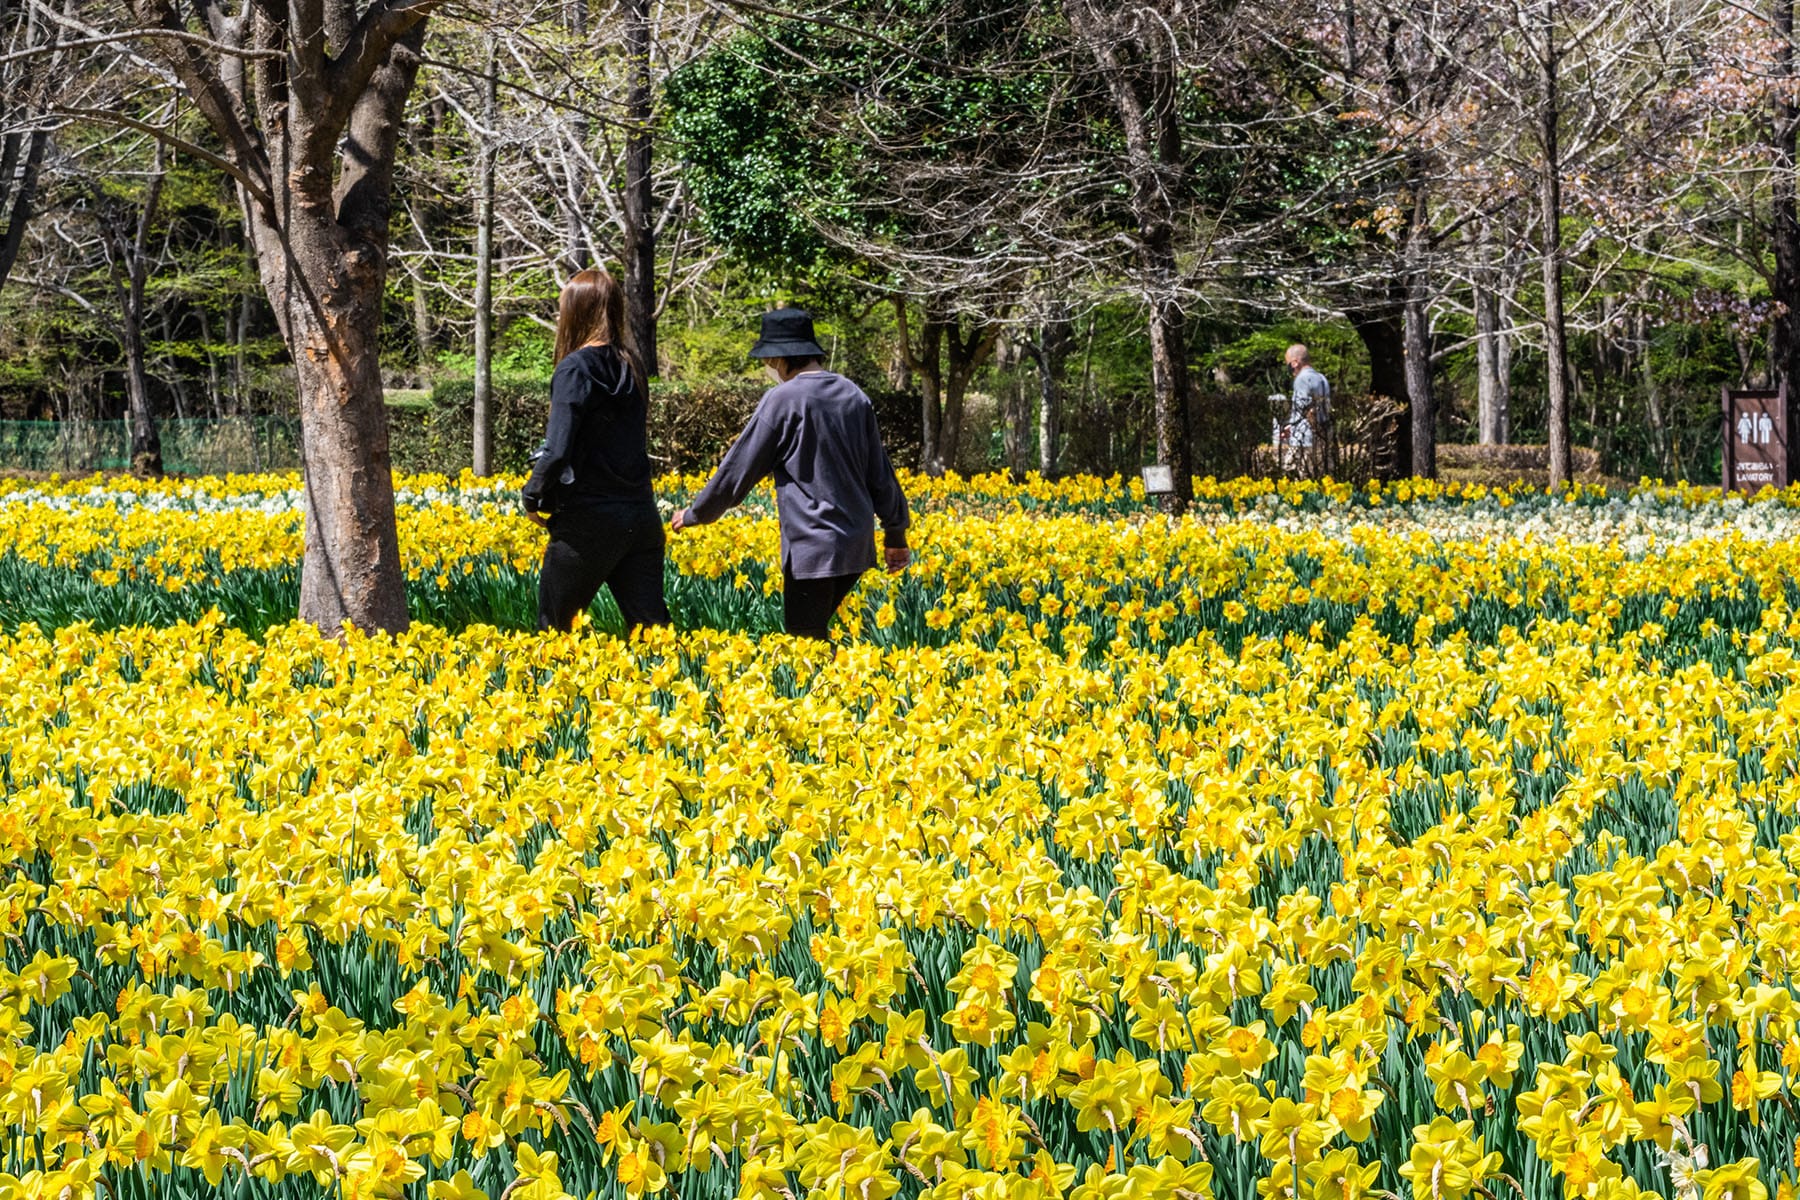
(1080,564)
(1096,862)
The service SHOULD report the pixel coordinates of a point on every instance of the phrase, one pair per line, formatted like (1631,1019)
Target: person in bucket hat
(815,431)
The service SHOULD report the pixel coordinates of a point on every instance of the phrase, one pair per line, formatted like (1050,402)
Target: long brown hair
(592,312)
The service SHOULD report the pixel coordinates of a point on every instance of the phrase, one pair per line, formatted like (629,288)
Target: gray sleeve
(884,488)
(750,458)
(1302,398)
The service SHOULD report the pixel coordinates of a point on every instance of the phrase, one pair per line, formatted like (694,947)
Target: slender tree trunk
(215,402)
(424,336)
(1556,350)
(1017,425)
(131,274)
(1490,415)
(640,216)
(575,234)
(1054,340)
(1491,388)
(240,353)
(926,361)
(1784,146)
(968,353)
(1659,425)
(482,455)
(1169,377)
(1142,83)
(1416,330)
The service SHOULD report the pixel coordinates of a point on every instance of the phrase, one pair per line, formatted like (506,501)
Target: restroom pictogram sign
(1756,439)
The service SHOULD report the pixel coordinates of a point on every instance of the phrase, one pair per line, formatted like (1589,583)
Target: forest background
(1060,235)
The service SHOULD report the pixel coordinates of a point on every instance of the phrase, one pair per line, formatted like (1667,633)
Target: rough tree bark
(306,98)
(1556,349)
(640,207)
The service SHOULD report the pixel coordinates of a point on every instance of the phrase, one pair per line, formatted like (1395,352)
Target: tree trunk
(1491,387)
(240,350)
(1381,326)
(324,266)
(926,361)
(1017,422)
(1169,378)
(1416,331)
(1142,83)
(19,186)
(575,233)
(215,401)
(1659,424)
(1784,147)
(640,217)
(22,150)
(146,445)
(424,338)
(1054,340)
(1556,351)
(352,569)
(482,453)
(307,109)
(968,352)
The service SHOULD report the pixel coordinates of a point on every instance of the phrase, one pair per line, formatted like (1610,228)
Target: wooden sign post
(1756,439)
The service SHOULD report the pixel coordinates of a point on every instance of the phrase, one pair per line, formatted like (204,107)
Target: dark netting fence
(190,446)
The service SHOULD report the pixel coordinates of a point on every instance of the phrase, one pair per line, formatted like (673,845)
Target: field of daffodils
(1327,843)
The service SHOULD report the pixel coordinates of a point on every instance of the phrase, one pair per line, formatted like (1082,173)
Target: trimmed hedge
(691,423)
(1499,466)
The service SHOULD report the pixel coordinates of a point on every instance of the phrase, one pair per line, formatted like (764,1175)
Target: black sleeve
(568,393)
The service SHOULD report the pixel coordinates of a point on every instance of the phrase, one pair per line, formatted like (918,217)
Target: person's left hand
(538,519)
(897,558)
(679,521)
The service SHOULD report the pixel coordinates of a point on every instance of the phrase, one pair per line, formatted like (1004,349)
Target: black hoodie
(597,445)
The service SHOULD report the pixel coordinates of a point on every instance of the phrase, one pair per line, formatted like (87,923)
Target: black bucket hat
(787,333)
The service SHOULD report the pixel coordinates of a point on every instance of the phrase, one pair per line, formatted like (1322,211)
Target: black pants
(620,545)
(807,604)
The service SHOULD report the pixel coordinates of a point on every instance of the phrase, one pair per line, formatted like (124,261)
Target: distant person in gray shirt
(1309,410)
(815,432)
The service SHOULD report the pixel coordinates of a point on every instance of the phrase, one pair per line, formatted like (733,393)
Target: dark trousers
(807,604)
(620,545)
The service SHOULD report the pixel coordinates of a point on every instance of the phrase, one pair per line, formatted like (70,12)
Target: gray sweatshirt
(816,434)
(1312,399)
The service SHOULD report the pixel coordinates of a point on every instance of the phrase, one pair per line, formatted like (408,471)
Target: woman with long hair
(590,486)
